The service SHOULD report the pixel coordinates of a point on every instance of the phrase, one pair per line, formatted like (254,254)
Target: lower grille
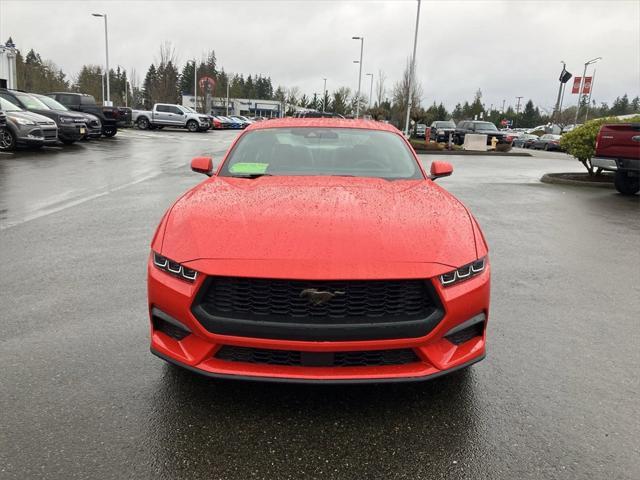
(50,134)
(294,358)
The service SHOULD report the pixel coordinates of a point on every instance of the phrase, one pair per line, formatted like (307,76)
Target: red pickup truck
(618,150)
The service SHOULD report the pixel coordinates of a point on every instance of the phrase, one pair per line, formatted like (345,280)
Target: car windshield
(485,126)
(50,102)
(7,106)
(31,102)
(446,124)
(322,151)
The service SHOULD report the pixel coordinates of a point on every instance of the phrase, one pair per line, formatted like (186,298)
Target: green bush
(581,141)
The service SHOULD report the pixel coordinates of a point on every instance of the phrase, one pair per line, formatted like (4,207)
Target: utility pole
(359,74)
(517,111)
(503,100)
(228,96)
(411,73)
(324,94)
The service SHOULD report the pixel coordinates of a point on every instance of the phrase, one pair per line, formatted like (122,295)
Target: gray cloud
(504,48)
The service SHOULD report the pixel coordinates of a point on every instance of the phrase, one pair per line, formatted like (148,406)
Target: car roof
(323,122)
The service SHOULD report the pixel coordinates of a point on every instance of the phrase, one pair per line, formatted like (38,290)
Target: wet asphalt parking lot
(82,397)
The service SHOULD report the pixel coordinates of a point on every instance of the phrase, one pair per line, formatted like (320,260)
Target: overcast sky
(506,49)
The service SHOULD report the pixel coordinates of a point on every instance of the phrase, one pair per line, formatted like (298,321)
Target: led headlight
(174,268)
(463,273)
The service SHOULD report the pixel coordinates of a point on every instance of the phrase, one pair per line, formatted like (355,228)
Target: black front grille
(285,300)
(317,310)
(293,358)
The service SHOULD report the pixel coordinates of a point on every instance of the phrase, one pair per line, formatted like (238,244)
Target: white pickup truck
(168,115)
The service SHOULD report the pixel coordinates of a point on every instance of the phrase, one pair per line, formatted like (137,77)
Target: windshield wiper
(252,175)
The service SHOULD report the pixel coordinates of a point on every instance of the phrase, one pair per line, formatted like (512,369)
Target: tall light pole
(593,81)
(359,74)
(411,73)
(593,60)
(195,85)
(324,94)
(517,110)
(370,86)
(106,48)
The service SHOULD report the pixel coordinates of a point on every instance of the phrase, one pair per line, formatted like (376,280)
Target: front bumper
(197,348)
(74,131)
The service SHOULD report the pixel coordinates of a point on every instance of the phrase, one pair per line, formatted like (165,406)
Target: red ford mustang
(319,251)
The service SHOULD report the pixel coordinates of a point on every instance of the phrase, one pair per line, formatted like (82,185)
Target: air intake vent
(292,358)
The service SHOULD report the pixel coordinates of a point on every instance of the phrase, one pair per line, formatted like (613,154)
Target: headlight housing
(174,268)
(22,121)
(463,273)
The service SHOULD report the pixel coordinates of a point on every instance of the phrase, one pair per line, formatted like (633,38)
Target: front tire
(626,184)
(143,123)
(192,126)
(109,131)
(7,140)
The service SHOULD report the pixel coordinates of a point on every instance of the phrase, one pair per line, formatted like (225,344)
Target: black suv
(479,127)
(111,117)
(440,130)
(71,126)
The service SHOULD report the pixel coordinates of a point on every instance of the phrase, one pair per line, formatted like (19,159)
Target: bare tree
(380,88)
(401,92)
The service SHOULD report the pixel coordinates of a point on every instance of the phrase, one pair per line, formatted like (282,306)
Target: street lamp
(324,94)
(411,72)
(593,60)
(106,48)
(195,86)
(370,87)
(359,73)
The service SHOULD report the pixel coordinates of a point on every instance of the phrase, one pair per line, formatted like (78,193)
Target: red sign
(586,87)
(576,84)
(205,82)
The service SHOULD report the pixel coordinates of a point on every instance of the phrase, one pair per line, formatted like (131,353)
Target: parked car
(246,119)
(126,114)
(618,150)
(225,122)
(299,242)
(94,127)
(421,130)
(524,141)
(548,141)
(479,127)
(243,123)
(170,115)
(441,129)
(71,126)
(110,117)
(25,128)
(3,119)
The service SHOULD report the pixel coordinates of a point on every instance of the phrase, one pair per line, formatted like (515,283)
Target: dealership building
(8,65)
(238,106)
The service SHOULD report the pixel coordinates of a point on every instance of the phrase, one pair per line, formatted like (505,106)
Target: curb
(552,178)
(471,152)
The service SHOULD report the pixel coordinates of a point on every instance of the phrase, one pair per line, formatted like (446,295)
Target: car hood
(34,117)
(319,220)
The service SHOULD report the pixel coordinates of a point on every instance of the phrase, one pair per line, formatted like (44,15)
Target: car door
(176,116)
(161,114)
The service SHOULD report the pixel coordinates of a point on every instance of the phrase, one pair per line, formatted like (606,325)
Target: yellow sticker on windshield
(248,168)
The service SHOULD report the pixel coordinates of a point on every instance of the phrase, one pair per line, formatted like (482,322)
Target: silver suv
(25,128)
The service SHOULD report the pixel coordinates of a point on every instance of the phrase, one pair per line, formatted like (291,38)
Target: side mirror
(202,165)
(440,169)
